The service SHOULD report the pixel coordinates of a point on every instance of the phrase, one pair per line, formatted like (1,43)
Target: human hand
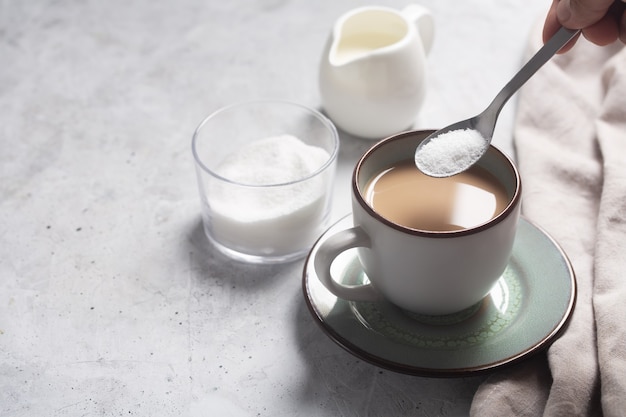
(602,21)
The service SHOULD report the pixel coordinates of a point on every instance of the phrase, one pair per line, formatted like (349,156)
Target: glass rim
(318,115)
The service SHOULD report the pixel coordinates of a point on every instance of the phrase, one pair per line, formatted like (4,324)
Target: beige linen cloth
(570,139)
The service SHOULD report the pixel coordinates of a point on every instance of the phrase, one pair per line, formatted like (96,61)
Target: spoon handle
(556,42)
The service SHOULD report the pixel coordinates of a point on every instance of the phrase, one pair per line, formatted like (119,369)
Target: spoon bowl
(442,155)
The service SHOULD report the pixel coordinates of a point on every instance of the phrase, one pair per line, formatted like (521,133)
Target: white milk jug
(372,72)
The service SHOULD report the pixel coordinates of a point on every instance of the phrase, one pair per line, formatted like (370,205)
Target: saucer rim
(396,366)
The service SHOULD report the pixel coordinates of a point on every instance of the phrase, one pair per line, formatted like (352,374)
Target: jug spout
(365,32)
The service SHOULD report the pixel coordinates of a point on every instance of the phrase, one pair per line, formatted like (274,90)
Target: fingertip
(563,11)
(551,24)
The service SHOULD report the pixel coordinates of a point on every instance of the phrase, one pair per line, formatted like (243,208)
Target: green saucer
(524,312)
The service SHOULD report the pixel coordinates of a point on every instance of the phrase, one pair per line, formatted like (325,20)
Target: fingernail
(563,11)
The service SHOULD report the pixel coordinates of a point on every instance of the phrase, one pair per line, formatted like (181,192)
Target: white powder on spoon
(256,214)
(450,152)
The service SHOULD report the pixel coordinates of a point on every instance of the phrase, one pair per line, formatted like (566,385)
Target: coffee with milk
(404,195)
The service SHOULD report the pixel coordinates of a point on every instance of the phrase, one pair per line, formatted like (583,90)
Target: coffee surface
(406,196)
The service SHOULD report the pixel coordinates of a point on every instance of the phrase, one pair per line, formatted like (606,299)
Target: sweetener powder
(450,152)
(253,212)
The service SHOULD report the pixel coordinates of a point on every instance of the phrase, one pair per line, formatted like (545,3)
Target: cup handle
(329,250)
(423,20)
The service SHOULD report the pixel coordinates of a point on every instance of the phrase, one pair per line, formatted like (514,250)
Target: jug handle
(423,21)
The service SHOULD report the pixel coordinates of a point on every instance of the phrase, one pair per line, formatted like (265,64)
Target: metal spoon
(485,122)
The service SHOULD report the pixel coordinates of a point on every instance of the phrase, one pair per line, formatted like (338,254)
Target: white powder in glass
(255,215)
(450,152)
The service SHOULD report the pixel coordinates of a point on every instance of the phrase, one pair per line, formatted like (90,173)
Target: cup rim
(318,115)
(510,208)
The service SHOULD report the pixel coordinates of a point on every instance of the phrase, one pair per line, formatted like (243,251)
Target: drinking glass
(265,172)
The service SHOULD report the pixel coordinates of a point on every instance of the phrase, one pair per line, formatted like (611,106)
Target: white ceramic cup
(425,272)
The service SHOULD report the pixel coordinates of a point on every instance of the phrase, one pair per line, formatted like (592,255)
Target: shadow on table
(343,384)
(211,264)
